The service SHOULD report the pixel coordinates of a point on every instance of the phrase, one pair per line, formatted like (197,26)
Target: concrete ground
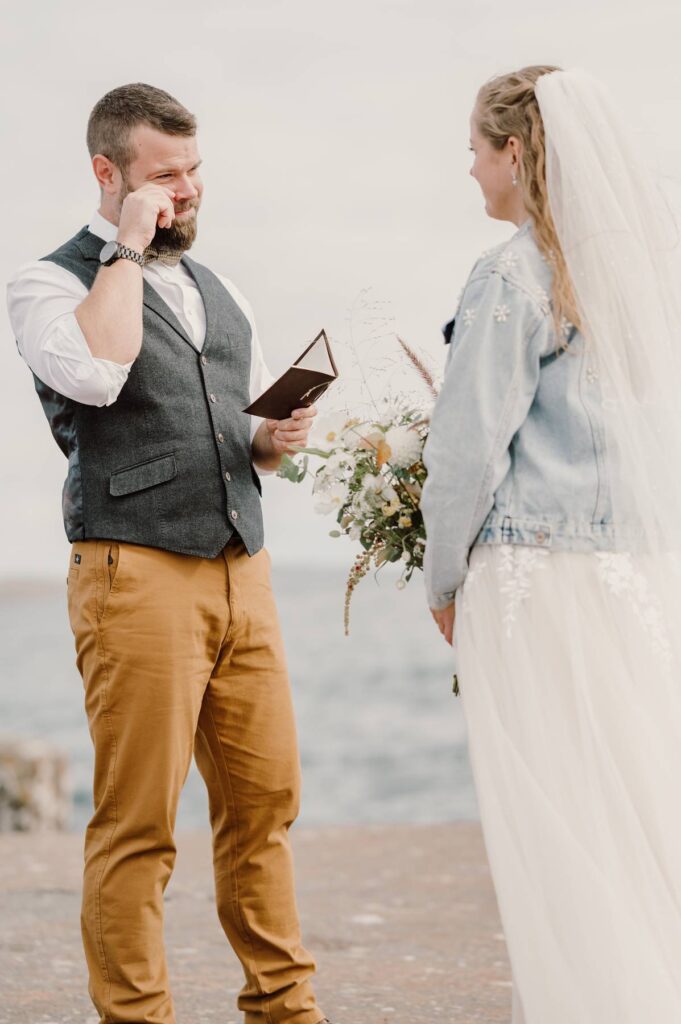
(402,920)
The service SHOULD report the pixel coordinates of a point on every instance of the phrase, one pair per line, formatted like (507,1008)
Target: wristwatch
(113,251)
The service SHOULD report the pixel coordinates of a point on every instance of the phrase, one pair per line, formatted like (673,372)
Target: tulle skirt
(570,674)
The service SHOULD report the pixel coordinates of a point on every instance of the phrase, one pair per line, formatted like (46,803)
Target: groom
(143,361)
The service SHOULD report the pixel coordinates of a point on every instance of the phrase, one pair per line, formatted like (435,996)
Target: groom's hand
(287,435)
(143,210)
(444,617)
(275,438)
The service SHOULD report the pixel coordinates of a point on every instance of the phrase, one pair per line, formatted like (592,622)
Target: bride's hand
(444,617)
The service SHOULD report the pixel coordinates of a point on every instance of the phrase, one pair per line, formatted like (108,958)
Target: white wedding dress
(566,668)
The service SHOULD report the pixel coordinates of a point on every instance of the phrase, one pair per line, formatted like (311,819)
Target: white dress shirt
(42,298)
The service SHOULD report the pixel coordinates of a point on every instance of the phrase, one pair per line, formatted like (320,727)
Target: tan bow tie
(170,257)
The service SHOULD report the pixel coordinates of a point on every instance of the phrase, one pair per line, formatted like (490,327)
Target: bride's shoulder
(520,263)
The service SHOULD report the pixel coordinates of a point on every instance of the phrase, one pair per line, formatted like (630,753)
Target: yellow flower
(390,508)
(404,521)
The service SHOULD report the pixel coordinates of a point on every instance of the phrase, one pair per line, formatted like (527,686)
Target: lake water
(382,737)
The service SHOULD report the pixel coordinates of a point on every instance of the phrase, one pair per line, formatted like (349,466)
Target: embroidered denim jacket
(516,451)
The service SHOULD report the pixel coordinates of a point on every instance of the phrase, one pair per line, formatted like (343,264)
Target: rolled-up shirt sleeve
(491,378)
(41,300)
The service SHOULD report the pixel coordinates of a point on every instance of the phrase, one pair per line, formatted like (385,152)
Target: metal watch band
(125,253)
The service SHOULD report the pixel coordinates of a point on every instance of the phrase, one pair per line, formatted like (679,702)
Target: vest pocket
(143,475)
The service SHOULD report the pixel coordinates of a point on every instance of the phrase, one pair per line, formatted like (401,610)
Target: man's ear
(108,176)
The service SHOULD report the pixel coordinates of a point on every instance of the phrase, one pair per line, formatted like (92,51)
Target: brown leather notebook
(301,385)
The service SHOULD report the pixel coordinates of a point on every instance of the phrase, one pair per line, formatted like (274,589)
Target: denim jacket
(516,451)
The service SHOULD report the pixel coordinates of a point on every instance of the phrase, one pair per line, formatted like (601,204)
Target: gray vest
(168,464)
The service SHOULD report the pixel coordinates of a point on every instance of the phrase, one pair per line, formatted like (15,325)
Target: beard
(181,235)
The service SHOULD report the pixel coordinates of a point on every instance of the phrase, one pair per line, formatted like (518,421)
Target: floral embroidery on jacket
(508,260)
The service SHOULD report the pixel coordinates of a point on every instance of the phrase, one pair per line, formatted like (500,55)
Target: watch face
(108,252)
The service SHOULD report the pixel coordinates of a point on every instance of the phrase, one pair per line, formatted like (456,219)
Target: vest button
(228,476)
(540,536)
(234,514)
(204,361)
(221,438)
(212,398)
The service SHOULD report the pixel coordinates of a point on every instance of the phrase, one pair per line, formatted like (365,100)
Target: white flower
(507,260)
(469,316)
(340,463)
(327,431)
(359,434)
(335,430)
(321,481)
(405,446)
(502,313)
(372,483)
(368,496)
(331,498)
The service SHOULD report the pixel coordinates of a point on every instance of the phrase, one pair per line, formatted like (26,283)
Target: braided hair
(507,106)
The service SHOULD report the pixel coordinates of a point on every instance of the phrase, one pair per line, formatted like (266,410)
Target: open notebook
(301,385)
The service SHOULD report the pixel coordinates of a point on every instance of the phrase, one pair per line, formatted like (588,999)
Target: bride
(553,516)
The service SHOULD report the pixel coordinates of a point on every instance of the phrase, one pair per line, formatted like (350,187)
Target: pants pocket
(107,563)
(72,583)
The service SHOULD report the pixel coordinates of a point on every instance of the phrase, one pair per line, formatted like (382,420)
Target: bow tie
(170,257)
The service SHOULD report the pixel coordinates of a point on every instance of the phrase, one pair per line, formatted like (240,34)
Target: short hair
(116,114)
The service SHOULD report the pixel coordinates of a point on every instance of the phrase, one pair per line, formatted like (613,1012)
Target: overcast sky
(334,138)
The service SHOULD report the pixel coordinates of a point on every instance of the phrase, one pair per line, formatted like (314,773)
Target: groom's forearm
(263,453)
(111,315)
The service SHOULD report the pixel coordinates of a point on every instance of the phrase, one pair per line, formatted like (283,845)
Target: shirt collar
(102,228)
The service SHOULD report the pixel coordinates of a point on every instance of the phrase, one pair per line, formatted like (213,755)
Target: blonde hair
(507,106)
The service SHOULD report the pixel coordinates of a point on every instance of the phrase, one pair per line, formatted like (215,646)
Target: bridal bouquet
(371,476)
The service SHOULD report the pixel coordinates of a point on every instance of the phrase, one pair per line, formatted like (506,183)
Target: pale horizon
(334,141)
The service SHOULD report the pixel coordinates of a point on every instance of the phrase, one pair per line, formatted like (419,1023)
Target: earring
(514,180)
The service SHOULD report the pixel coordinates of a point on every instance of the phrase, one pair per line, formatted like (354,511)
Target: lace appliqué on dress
(469,583)
(517,563)
(515,567)
(621,577)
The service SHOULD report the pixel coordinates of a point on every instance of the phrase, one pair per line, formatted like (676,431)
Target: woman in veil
(553,515)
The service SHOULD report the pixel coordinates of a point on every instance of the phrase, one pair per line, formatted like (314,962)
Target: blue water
(381,735)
